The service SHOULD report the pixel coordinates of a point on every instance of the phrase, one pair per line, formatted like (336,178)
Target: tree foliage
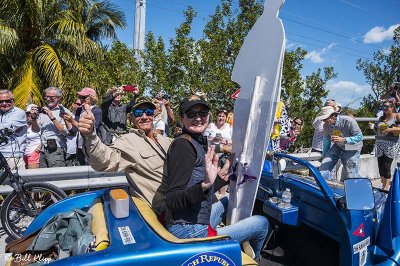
(381,71)
(40,39)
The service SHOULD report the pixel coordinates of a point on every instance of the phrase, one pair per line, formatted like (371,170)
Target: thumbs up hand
(86,121)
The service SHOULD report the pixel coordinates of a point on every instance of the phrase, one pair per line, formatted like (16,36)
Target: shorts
(32,158)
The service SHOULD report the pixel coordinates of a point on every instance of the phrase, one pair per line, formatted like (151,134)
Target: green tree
(381,71)
(39,39)
(118,67)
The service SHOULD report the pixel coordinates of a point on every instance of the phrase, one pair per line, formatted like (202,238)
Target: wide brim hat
(188,102)
(143,100)
(325,112)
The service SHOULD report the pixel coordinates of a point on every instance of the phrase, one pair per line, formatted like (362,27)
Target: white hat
(326,112)
(30,106)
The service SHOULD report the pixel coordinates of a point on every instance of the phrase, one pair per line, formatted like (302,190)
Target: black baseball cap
(142,100)
(189,102)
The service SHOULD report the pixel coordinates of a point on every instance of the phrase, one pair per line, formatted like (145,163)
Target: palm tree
(41,38)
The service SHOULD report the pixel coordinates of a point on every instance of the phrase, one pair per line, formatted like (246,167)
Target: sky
(334,33)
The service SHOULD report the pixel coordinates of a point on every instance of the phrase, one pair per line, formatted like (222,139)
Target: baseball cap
(189,102)
(142,100)
(87,92)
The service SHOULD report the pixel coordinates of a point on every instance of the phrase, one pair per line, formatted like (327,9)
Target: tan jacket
(141,158)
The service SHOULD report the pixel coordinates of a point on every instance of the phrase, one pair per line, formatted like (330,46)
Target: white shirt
(225,131)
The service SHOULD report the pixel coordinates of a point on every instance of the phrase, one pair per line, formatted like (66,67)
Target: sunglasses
(386,106)
(140,112)
(6,101)
(193,114)
(50,97)
(82,97)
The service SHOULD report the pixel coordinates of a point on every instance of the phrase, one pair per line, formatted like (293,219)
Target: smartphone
(62,110)
(130,88)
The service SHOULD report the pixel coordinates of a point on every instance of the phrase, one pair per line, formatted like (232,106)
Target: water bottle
(286,198)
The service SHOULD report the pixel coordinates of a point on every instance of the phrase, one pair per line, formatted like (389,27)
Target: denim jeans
(253,229)
(350,161)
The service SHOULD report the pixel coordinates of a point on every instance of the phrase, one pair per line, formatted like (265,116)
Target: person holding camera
(114,112)
(53,133)
(13,118)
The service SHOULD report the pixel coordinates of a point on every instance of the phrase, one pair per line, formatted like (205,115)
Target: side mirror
(359,194)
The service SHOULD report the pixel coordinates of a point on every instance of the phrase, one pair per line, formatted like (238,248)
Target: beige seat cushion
(99,228)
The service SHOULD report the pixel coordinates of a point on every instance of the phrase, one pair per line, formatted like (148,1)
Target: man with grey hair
(12,117)
(53,133)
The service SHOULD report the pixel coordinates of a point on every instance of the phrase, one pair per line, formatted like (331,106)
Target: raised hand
(86,121)
(212,169)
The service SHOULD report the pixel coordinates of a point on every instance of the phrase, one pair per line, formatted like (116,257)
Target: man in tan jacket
(141,153)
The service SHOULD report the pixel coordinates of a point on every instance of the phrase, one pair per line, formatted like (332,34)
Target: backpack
(69,232)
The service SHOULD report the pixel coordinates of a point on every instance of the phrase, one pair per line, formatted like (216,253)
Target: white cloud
(380,34)
(348,93)
(316,56)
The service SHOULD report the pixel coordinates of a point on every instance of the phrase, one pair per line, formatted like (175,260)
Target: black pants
(384,164)
(52,158)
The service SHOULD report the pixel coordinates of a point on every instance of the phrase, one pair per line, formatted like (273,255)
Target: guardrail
(69,178)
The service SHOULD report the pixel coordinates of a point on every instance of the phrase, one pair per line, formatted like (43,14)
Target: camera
(41,110)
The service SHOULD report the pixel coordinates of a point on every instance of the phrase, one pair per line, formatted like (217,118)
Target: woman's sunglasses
(193,114)
(140,112)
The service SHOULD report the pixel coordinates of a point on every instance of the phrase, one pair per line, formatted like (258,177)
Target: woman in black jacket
(192,179)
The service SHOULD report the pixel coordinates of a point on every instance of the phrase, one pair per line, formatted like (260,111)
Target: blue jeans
(253,229)
(350,161)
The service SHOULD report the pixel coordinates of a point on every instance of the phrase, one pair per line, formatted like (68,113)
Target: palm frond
(27,88)
(48,63)
(8,39)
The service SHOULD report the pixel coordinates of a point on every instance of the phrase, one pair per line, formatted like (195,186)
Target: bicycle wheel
(16,219)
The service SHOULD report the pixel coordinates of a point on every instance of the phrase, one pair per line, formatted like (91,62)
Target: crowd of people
(177,176)
(47,136)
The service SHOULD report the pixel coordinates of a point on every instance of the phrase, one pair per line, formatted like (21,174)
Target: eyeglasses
(82,97)
(79,104)
(193,114)
(50,97)
(386,106)
(7,101)
(140,112)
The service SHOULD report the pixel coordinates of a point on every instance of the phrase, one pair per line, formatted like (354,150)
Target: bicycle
(27,200)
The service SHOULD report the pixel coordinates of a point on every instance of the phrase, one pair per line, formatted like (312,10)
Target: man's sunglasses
(140,112)
(193,114)
(50,97)
(6,101)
